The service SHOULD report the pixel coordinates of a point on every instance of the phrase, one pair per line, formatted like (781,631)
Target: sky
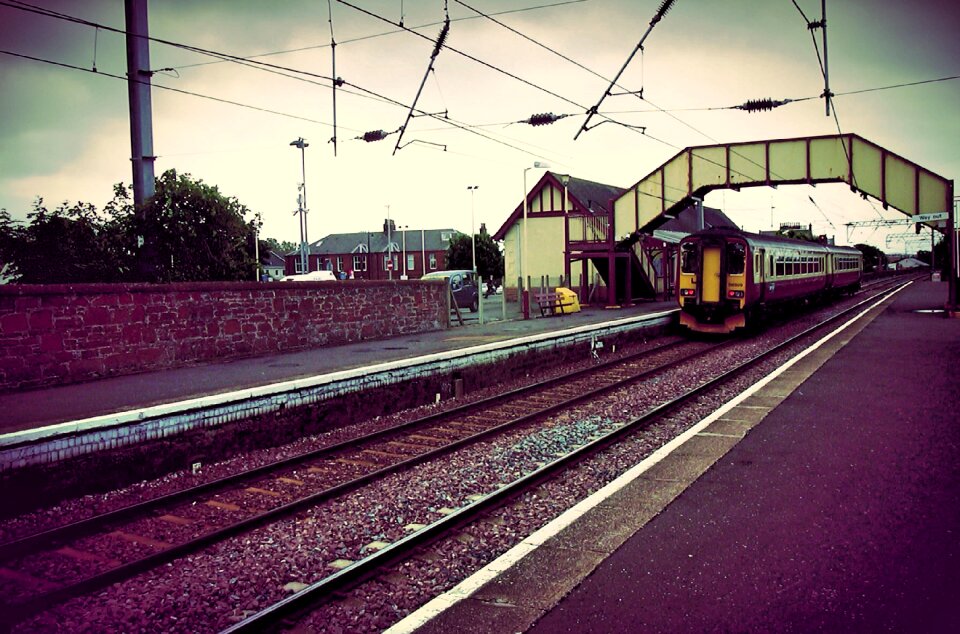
(64,132)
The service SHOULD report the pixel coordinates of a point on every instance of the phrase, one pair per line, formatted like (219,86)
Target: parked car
(312,276)
(463,286)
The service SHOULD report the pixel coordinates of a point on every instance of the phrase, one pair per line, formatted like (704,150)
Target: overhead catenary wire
(470,57)
(283,71)
(665,6)
(303,75)
(386,33)
(437,47)
(168,88)
(662,11)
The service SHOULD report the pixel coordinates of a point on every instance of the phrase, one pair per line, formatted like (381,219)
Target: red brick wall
(58,334)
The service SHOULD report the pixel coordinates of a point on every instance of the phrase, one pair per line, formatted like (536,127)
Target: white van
(312,276)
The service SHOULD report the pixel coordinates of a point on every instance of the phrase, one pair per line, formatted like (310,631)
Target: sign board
(929,217)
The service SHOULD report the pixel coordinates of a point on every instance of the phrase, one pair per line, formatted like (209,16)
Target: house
(272,266)
(380,255)
(571,238)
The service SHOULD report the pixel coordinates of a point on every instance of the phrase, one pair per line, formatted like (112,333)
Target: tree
(69,245)
(489,257)
(191,232)
(187,231)
(282,248)
(873,258)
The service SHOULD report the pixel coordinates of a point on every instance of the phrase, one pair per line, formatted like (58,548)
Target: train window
(689,260)
(736,258)
(780,267)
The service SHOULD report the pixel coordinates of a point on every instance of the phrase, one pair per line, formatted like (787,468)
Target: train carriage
(728,278)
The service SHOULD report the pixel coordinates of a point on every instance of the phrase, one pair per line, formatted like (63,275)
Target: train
(728,280)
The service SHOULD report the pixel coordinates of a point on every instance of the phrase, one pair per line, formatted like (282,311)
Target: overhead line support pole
(826,59)
(141,123)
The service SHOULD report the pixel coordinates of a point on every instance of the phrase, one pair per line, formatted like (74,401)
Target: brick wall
(56,334)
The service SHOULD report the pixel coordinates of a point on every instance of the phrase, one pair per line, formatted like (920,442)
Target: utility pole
(138,90)
(141,124)
(827,95)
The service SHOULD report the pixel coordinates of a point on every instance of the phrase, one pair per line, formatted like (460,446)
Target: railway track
(385,561)
(77,559)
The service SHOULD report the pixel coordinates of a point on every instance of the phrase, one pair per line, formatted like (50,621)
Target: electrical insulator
(759,105)
(374,135)
(545,118)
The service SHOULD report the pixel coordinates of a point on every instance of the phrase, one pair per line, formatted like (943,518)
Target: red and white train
(728,279)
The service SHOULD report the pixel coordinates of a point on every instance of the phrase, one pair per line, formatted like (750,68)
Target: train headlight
(687,292)
(735,294)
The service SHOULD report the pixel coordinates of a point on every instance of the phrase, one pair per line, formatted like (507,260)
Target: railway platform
(33,409)
(826,500)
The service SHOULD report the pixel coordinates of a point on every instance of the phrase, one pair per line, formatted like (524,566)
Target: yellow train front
(728,278)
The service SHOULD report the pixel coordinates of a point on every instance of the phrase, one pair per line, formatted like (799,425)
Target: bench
(552,303)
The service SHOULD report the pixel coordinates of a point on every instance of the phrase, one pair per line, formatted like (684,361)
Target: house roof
(585,196)
(274,259)
(358,241)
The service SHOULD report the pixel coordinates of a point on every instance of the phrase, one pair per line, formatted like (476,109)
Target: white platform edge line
(473,583)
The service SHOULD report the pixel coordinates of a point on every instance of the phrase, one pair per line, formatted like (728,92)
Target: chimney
(389,226)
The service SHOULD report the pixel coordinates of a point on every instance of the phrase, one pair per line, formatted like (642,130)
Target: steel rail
(15,612)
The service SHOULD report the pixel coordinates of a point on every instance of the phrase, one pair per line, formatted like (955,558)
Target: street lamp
(565,179)
(302,204)
(523,251)
(473,237)
(404,252)
(473,244)
(389,246)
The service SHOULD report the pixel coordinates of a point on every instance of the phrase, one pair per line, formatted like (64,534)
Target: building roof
(592,196)
(358,241)
(274,259)
(586,197)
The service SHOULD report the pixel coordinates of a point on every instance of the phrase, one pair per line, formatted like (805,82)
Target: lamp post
(302,204)
(523,251)
(565,179)
(473,237)
(473,245)
(389,246)
(404,252)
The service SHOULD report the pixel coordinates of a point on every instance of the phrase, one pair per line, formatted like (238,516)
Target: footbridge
(869,170)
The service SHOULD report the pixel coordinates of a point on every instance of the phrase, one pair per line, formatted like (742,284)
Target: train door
(710,289)
(759,275)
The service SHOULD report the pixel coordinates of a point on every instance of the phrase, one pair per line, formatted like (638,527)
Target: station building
(573,242)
